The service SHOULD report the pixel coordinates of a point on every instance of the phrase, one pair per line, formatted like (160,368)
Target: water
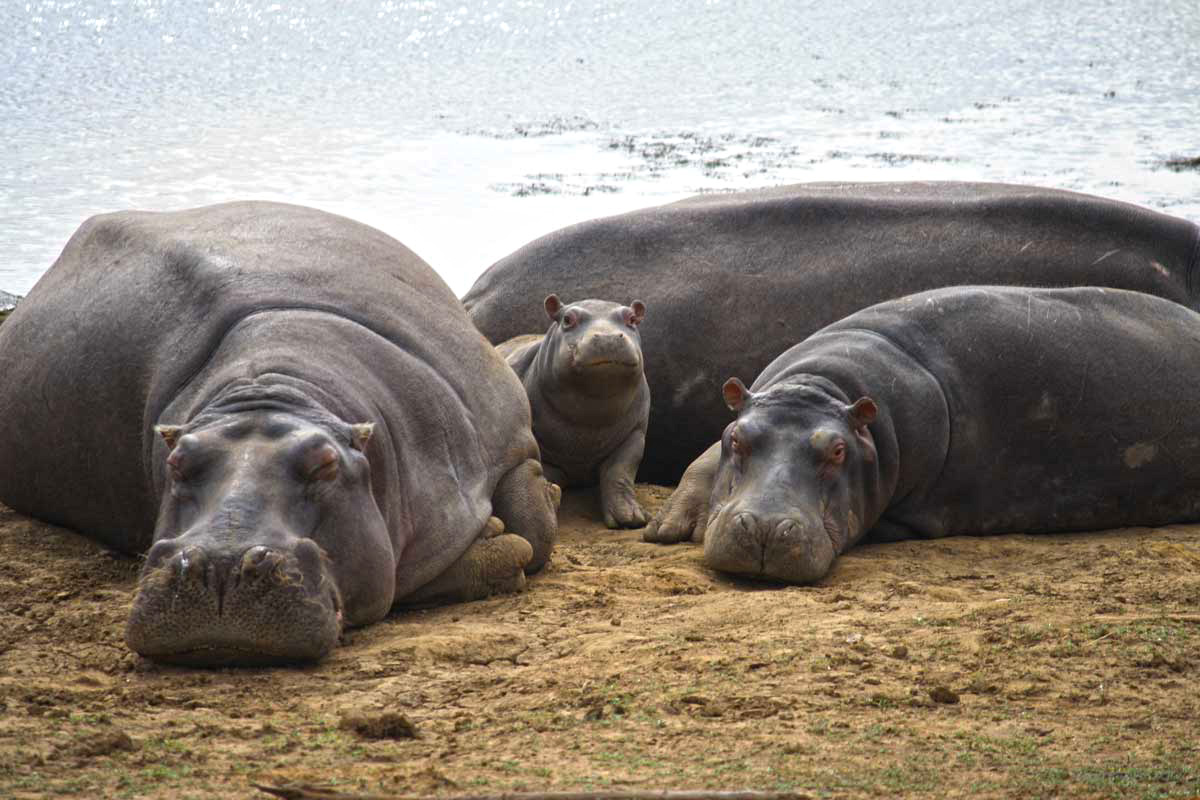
(467,128)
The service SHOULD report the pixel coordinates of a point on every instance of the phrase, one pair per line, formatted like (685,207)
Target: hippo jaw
(268,542)
(789,488)
(264,608)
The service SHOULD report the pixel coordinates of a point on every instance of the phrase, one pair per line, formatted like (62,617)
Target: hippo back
(734,279)
(138,303)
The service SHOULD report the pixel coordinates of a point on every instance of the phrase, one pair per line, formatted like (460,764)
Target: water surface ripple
(466,128)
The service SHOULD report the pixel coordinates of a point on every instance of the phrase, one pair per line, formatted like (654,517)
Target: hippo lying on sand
(589,399)
(735,279)
(332,434)
(968,410)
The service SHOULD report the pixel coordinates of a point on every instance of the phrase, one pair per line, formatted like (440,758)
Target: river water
(466,128)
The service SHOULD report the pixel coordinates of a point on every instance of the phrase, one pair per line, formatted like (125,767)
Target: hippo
(736,279)
(964,410)
(589,398)
(287,411)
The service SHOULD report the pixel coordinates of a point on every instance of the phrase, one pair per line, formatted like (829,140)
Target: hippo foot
(623,511)
(527,503)
(683,518)
(685,515)
(494,564)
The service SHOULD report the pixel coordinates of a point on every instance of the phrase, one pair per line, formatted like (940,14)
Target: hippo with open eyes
(589,399)
(734,279)
(287,411)
(967,410)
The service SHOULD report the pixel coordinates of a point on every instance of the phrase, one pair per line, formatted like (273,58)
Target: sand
(1006,666)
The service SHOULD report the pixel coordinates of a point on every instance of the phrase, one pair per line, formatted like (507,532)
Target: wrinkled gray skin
(589,398)
(287,411)
(968,410)
(733,280)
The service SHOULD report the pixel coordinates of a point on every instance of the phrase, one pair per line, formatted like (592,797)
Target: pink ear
(360,435)
(169,433)
(863,412)
(736,394)
(553,307)
(639,312)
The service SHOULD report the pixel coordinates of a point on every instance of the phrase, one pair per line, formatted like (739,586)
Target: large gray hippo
(287,411)
(735,279)
(966,410)
(589,399)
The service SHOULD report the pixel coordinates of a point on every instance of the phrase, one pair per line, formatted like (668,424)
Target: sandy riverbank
(1009,666)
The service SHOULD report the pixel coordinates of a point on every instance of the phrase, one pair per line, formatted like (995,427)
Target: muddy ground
(1011,666)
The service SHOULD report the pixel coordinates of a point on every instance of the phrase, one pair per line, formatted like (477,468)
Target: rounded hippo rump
(287,411)
(589,399)
(965,410)
(735,279)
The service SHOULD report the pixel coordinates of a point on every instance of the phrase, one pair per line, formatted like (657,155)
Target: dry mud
(1009,666)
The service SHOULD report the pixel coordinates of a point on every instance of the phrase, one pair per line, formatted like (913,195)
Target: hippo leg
(528,504)
(617,500)
(685,515)
(493,564)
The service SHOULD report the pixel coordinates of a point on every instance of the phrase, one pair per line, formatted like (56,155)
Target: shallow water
(467,128)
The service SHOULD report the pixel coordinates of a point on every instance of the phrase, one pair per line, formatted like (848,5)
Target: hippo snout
(611,349)
(789,548)
(208,605)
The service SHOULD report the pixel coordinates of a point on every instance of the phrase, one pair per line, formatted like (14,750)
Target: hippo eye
(175,466)
(837,454)
(737,446)
(570,320)
(631,319)
(322,464)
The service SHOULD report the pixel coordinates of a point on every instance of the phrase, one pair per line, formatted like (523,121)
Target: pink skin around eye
(174,462)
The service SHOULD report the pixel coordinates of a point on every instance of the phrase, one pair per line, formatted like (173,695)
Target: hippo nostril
(259,562)
(192,566)
(786,529)
(162,552)
(746,527)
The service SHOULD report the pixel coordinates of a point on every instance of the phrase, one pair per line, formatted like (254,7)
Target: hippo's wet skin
(287,411)
(589,398)
(969,410)
(732,280)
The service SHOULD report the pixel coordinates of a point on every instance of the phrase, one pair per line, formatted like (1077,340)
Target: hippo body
(735,279)
(589,399)
(965,410)
(314,383)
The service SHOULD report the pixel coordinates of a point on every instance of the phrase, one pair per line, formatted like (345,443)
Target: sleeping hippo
(966,410)
(589,398)
(735,279)
(288,412)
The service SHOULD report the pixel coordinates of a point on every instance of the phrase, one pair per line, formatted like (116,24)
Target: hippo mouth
(779,550)
(610,362)
(181,619)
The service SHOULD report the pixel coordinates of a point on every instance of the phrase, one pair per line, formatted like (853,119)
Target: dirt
(1008,666)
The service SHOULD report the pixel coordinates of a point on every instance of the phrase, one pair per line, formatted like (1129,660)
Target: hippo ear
(360,434)
(553,307)
(169,433)
(736,394)
(639,312)
(863,412)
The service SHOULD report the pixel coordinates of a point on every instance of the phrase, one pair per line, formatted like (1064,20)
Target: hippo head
(790,488)
(594,347)
(268,540)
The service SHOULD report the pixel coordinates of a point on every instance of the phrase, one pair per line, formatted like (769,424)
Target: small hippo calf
(969,410)
(589,398)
